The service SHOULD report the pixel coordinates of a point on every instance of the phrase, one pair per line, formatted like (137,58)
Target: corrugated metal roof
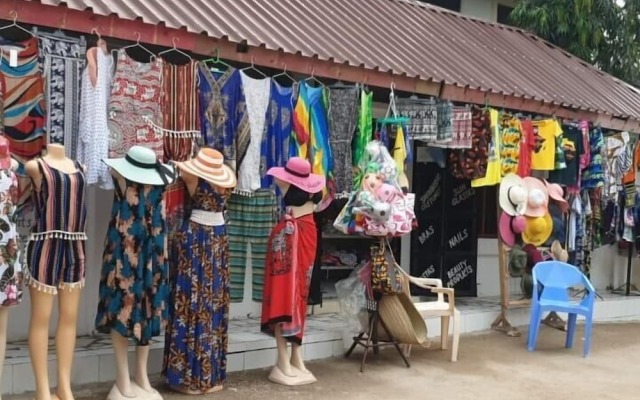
(400,36)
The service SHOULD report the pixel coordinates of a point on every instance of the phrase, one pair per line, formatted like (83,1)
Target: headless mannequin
(42,305)
(140,387)
(92,60)
(191,182)
(292,367)
(4,315)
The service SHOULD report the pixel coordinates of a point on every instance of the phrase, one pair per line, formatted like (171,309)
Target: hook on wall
(14,13)
(174,41)
(138,37)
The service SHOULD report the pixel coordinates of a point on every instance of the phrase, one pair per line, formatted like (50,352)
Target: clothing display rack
(371,341)
(628,288)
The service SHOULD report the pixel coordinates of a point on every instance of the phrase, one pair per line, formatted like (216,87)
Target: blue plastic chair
(551,281)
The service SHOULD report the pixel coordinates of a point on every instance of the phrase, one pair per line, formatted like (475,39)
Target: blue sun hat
(141,165)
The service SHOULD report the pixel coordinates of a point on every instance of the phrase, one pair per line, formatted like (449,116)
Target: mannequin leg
(41,306)
(142,376)
(121,350)
(297,359)
(4,316)
(283,353)
(68,303)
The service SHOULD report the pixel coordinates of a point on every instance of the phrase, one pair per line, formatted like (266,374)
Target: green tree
(605,33)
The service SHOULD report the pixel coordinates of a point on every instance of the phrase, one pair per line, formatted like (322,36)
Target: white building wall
(485,9)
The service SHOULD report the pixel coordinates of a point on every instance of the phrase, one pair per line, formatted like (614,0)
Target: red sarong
(291,251)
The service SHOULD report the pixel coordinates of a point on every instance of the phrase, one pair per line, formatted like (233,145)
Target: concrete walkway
(491,366)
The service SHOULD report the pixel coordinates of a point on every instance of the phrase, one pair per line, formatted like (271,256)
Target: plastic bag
(352,297)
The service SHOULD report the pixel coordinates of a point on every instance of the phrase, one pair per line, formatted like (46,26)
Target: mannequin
(196,337)
(290,255)
(68,278)
(11,273)
(133,282)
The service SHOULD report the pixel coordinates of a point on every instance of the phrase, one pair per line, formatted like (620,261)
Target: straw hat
(510,226)
(538,197)
(538,230)
(513,195)
(297,172)
(559,254)
(141,165)
(557,194)
(209,165)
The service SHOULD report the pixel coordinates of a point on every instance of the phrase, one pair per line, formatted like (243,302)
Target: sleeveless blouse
(60,204)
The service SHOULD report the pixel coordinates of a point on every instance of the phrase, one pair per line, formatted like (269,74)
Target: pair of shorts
(56,264)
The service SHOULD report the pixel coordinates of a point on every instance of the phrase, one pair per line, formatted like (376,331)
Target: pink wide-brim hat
(556,193)
(510,226)
(297,172)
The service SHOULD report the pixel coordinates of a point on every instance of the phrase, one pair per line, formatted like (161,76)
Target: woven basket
(402,319)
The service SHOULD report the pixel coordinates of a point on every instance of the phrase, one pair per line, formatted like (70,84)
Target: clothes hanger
(216,61)
(286,75)
(312,78)
(14,24)
(100,42)
(137,44)
(175,49)
(253,68)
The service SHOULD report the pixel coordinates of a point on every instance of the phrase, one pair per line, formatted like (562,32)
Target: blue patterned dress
(134,280)
(196,337)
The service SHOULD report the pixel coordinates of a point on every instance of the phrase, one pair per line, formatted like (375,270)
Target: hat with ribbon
(513,195)
(537,197)
(297,172)
(538,229)
(5,153)
(557,194)
(510,226)
(209,165)
(141,165)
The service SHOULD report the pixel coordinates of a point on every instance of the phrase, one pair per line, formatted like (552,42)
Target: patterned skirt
(196,337)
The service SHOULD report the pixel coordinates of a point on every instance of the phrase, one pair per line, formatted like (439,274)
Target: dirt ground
(490,366)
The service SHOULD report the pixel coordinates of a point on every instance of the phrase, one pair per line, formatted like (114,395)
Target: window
(486,198)
(503,14)
(453,5)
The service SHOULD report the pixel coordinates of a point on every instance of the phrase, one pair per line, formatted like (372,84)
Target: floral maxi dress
(134,279)
(196,338)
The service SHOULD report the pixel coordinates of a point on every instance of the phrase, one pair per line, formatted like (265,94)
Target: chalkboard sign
(445,243)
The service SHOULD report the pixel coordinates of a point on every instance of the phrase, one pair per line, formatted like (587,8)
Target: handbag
(384,276)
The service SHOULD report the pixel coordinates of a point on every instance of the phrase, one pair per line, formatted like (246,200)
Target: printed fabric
(24,112)
(195,352)
(572,148)
(63,59)
(472,163)
(291,251)
(422,115)
(93,144)
(510,137)
(343,113)
(134,105)
(527,147)
(461,130)
(593,175)
(365,127)
(134,289)
(494,164)
(279,129)
(180,110)
(544,154)
(11,274)
(223,112)
(256,93)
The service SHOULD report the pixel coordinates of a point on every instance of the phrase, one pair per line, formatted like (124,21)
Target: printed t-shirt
(630,176)
(544,153)
(572,146)
(493,176)
(510,132)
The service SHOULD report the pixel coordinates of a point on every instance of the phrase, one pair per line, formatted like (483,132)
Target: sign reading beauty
(458,273)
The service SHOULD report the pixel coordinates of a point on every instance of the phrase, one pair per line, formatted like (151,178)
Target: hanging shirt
(472,163)
(572,148)
(593,175)
(544,154)
(423,118)
(510,136)
(365,127)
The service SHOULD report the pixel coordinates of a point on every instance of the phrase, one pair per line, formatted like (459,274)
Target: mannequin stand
(371,341)
(628,288)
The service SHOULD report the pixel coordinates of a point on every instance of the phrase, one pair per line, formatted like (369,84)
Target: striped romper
(56,248)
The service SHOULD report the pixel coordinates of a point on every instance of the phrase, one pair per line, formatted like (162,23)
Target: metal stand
(628,288)
(371,341)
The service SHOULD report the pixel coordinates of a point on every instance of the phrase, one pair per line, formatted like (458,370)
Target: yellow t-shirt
(494,166)
(544,150)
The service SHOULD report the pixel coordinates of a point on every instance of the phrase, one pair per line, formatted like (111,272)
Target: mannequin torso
(55,158)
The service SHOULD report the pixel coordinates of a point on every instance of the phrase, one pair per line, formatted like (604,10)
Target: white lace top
(93,143)
(257,93)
